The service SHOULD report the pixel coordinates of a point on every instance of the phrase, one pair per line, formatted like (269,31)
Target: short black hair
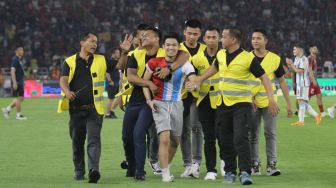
(156,30)
(85,35)
(235,32)
(211,28)
(18,46)
(172,35)
(142,26)
(193,23)
(262,31)
(299,44)
(113,49)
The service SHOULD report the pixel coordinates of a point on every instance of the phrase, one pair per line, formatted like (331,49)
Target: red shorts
(314,90)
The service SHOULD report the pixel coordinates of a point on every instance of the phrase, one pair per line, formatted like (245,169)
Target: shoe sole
(229,182)
(94,177)
(274,174)
(246,183)
(256,174)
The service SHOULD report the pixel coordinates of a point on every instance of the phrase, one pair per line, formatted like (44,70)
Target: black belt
(82,107)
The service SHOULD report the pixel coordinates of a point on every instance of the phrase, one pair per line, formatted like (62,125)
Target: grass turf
(37,153)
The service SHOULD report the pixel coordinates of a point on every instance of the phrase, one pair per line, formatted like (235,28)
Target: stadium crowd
(31,22)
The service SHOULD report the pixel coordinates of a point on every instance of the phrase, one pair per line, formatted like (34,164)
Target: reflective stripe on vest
(237,78)
(98,84)
(99,99)
(264,94)
(270,64)
(99,67)
(242,82)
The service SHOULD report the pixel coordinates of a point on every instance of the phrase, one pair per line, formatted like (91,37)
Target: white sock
(8,108)
(302,110)
(311,111)
(18,114)
(165,172)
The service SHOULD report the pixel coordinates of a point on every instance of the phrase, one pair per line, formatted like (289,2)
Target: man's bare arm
(66,89)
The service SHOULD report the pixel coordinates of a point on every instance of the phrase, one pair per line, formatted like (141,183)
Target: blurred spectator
(50,27)
(328,70)
(54,71)
(32,70)
(2,82)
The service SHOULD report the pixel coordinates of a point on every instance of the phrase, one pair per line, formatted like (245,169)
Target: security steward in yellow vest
(274,70)
(236,68)
(138,115)
(192,135)
(207,99)
(82,83)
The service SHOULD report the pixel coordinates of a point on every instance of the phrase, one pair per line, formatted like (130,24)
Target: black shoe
(94,176)
(140,178)
(113,116)
(296,113)
(79,176)
(124,164)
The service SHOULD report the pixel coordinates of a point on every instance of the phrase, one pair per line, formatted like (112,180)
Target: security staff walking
(236,68)
(82,84)
(206,101)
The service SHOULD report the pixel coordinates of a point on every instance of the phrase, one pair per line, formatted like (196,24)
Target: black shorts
(112,91)
(19,92)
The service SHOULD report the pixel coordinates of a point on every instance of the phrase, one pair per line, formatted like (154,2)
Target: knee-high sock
(311,111)
(302,110)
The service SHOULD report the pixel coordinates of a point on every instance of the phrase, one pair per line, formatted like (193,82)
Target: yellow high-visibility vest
(236,80)
(99,67)
(270,64)
(201,63)
(140,57)
(201,49)
(124,85)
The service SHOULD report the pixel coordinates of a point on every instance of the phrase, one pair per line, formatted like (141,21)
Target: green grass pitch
(37,153)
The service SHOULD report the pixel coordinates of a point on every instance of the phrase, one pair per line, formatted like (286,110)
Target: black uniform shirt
(82,81)
(280,70)
(137,94)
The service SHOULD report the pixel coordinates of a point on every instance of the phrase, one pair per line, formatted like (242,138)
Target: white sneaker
(255,171)
(222,168)
(156,168)
(187,172)
(272,170)
(168,179)
(210,176)
(324,114)
(5,113)
(21,117)
(195,170)
(331,112)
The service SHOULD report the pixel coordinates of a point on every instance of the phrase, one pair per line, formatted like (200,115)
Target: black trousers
(207,117)
(234,136)
(85,123)
(137,120)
